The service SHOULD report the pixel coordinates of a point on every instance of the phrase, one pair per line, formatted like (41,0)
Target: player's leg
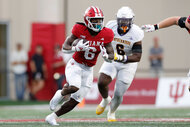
(107,73)
(66,107)
(103,82)
(124,79)
(73,101)
(51,119)
(120,88)
(73,76)
(61,95)
(86,83)
(75,98)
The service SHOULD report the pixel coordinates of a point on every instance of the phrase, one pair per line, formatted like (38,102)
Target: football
(75,42)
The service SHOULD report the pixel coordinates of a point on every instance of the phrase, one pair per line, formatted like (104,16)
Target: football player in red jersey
(79,70)
(183,22)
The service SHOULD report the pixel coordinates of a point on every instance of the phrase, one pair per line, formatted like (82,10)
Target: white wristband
(158,26)
(125,58)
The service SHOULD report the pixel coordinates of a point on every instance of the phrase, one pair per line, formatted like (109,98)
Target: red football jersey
(89,57)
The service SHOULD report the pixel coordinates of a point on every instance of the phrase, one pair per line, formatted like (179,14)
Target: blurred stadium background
(26,21)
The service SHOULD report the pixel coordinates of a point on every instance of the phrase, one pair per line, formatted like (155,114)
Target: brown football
(75,42)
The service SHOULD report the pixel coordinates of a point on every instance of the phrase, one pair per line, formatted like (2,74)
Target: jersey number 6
(90,55)
(120,49)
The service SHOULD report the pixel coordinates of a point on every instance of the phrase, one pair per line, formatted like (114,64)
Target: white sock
(104,101)
(54,115)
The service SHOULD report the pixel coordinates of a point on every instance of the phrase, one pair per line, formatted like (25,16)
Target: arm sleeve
(181,22)
(137,48)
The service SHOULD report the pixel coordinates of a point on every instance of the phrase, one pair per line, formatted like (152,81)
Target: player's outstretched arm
(163,24)
(168,22)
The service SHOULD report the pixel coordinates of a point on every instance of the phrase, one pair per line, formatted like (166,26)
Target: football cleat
(51,119)
(101,107)
(111,116)
(55,100)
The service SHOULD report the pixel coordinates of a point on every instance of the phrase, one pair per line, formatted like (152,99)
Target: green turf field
(33,116)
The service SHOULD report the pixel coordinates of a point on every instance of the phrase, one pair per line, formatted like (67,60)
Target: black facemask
(124,25)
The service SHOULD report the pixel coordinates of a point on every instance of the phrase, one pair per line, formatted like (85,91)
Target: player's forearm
(168,22)
(67,46)
(67,50)
(111,56)
(134,58)
(110,51)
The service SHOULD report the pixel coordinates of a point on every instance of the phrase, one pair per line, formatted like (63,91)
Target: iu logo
(178,92)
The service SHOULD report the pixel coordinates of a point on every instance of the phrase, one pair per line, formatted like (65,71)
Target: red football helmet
(93,18)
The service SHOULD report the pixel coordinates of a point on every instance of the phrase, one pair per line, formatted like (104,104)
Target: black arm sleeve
(137,49)
(181,22)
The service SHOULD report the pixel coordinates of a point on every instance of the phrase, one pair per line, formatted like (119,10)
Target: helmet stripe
(94,10)
(99,12)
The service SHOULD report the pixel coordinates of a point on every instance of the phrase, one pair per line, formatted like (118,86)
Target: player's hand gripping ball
(80,45)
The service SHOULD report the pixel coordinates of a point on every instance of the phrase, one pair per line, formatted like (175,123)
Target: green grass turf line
(6,103)
(104,124)
(7,114)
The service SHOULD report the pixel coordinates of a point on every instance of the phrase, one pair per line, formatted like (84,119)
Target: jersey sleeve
(181,22)
(109,36)
(139,34)
(75,30)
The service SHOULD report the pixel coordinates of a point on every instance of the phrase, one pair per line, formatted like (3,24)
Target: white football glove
(104,54)
(81,46)
(149,28)
(120,58)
